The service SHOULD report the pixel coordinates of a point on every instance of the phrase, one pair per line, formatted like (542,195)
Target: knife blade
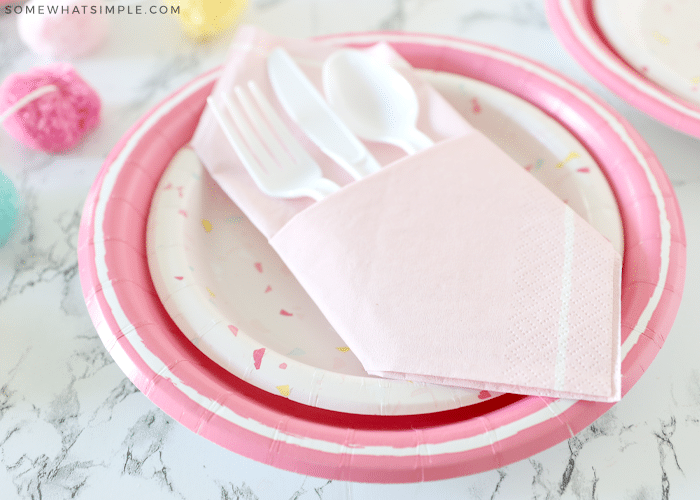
(309,110)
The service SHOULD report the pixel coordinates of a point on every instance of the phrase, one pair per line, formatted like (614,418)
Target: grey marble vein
(501,476)
(396,19)
(525,13)
(160,81)
(242,492)
(40,261)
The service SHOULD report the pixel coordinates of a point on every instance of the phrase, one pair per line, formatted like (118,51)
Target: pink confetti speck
(258,266)
(179,278)
(233,329)
(476,107)
(528,167)
(257,357)
(583,170)
(285,313)
(268,289)
(179,191)
(645,69)
(168,185)
(182,212)
(484,395)
(283,366)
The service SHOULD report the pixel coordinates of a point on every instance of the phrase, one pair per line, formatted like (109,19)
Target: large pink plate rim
(574,23)
(207,399)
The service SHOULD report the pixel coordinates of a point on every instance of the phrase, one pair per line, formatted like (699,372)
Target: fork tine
(273,145)
(236,141)
(251,137)
(282,131)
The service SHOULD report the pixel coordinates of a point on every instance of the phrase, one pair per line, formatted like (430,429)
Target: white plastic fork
(278,164)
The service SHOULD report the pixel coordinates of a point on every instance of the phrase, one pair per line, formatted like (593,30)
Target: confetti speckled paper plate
(659,38)
(640,49)
(232,296)
(271,428)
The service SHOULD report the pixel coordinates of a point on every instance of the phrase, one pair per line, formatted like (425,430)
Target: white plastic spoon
(373,99)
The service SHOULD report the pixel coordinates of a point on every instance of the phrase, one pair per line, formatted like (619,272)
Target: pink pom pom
(63,28)
(55,121)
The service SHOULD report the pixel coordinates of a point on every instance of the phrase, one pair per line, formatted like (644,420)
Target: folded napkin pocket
(455,266)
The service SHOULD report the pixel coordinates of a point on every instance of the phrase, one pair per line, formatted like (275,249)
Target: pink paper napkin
(451,266)
(247,61)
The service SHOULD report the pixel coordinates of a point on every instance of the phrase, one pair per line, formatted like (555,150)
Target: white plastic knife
(306,106)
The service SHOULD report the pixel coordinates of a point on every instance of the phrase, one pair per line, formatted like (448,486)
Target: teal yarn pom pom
(9,206)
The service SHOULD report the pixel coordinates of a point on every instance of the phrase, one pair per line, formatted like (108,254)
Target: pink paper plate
(270,428)
(573,21)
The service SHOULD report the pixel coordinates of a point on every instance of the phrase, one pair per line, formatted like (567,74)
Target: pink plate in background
(270,428)
(574,22)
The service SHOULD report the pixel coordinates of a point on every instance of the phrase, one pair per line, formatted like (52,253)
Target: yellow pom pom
(202,19)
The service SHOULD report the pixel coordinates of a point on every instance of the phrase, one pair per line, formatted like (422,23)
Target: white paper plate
(234,299)
(642,50)
(659,38)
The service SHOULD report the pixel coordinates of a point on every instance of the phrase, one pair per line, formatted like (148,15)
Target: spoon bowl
(373,99)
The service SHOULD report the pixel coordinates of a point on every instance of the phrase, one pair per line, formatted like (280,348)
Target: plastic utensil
(277,163)
(373,99)
(306,106)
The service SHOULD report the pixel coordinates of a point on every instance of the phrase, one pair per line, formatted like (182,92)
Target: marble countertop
(73,426)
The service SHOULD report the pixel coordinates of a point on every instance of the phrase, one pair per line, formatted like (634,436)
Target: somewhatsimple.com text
(91,9)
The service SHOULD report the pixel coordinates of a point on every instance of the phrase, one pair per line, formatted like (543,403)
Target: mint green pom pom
(9,205)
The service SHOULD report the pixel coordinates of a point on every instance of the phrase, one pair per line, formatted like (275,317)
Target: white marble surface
(73,426)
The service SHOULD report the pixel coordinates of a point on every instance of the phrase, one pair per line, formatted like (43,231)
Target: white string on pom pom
(49,108)
(32,96)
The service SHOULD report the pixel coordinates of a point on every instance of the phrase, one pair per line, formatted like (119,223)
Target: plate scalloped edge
(276,431)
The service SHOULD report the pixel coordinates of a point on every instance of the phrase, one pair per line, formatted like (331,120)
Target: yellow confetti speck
(695,80)
(661,38)
(207,225)
(284,390)
(570,157)
(343,349)
(210,292)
